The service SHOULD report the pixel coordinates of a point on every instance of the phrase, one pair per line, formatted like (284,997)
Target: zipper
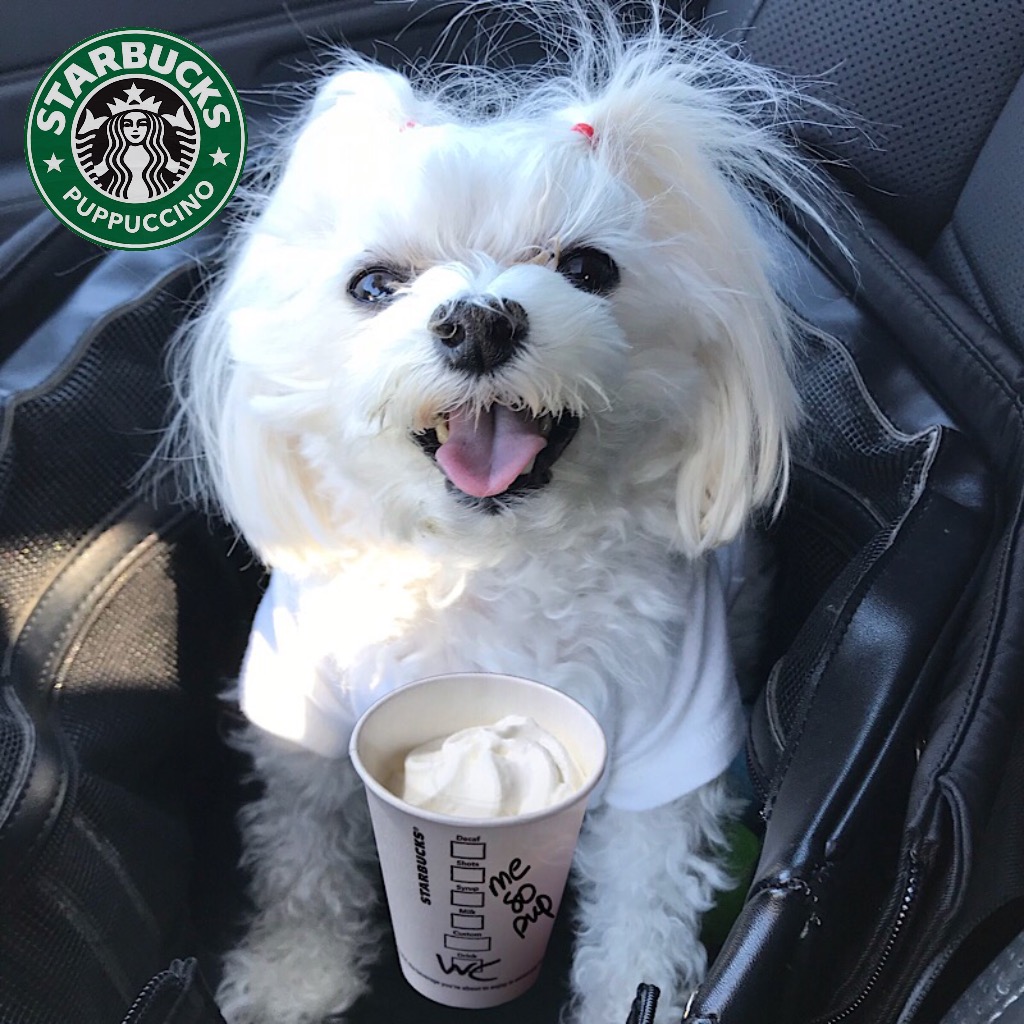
(645,1004)
(910,892)
(758,782)
(143,997)
(177,973)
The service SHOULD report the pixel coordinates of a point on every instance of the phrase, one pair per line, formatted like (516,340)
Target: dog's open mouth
(498,452)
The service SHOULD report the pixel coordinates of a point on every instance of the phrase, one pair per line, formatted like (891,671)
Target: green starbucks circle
(135,139)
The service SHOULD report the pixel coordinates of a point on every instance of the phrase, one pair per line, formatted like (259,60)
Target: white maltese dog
(495,364)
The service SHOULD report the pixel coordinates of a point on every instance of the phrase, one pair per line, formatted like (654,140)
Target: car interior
(885,754)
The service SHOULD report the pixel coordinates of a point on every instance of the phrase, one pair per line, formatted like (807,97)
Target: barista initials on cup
(135,139)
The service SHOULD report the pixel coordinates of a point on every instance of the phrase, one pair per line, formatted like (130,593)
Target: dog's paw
(296,980)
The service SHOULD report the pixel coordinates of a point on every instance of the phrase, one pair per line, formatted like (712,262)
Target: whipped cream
(490,771)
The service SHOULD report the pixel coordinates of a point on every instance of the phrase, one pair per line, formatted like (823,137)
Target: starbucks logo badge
(135,139)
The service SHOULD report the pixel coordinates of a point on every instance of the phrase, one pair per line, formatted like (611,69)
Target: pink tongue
(484,453)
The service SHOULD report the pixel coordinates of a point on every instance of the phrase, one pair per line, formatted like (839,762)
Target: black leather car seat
(890,762)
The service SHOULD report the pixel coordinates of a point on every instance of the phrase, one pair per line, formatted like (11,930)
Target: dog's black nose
(479,336)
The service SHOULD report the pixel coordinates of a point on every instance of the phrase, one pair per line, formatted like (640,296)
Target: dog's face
(465,332)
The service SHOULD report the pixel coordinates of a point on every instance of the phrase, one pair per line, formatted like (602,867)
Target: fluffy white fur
(298,406)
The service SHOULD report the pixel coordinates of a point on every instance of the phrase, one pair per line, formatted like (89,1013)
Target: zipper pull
(645,1003)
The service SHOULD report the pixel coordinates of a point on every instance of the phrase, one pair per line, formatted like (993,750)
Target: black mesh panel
(121,690)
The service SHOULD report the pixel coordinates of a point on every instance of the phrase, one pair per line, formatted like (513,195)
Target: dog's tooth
(529,466)
(442,431)
(546,423)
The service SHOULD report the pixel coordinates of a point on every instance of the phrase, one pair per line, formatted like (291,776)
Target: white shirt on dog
(659,750)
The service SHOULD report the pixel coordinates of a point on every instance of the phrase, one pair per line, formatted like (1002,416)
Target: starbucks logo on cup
(135,139)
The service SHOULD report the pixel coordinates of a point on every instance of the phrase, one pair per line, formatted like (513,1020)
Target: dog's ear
(244,415)
(697,175)
(737,456)
(229,449)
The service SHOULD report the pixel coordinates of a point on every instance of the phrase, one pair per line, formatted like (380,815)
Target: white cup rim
(384,794)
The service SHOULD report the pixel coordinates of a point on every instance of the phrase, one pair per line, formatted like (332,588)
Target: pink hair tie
(586,130)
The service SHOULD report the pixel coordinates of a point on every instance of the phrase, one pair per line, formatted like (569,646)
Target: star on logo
(220,157)
(53,164)
(132,101)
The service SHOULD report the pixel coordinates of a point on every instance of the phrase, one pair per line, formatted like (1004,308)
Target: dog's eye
(375,284)
(590,270)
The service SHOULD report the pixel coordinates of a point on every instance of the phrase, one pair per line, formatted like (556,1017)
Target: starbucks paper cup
(472,900)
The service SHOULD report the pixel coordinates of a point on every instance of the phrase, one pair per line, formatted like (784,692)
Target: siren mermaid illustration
(136,154)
